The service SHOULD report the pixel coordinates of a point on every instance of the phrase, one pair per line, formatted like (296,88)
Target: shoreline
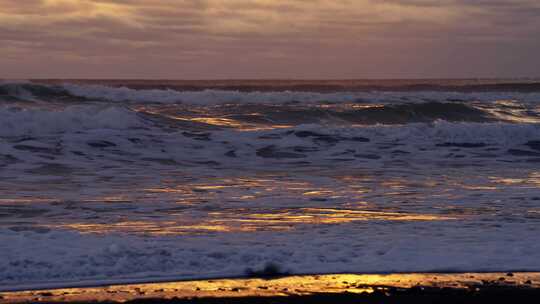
(297,289)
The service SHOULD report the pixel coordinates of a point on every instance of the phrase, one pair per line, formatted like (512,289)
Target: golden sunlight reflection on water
(284,286)
(224,221)
(201,117)
(249,204)
(271,201)
(530,181)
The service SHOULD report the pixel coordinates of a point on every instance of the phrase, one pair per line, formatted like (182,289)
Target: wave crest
(28,91)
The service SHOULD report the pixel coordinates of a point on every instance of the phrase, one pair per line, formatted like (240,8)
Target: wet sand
(342,288)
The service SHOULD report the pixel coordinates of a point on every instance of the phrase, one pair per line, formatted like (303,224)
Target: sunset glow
(267,39)
(309,149)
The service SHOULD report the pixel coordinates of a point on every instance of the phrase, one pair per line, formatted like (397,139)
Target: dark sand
(342,288)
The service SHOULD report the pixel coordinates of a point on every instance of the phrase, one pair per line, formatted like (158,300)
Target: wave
(18,121)
(29,120)
(86,136)
(27,91)
(364,115)
(421,144)
(81,119)
(441,132)
(213,96)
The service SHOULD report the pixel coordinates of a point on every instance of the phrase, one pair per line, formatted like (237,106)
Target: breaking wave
(18,121)
(212,126)
(28,91)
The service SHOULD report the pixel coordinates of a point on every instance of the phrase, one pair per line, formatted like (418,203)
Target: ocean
(126,180)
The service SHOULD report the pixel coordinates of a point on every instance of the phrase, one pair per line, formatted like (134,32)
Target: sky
(306,39)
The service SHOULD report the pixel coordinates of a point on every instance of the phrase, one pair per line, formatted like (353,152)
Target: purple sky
(209,39)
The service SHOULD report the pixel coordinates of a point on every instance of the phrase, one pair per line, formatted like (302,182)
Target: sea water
(123,180)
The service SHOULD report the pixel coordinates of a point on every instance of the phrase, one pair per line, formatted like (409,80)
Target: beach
(345,288)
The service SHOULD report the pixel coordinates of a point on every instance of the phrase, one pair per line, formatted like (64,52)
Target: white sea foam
(33,258)
(204,97)
(211,96)
(443,131)
(27,90)
(18,121)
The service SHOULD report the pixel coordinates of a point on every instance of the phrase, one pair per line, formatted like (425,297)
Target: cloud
(264,31)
